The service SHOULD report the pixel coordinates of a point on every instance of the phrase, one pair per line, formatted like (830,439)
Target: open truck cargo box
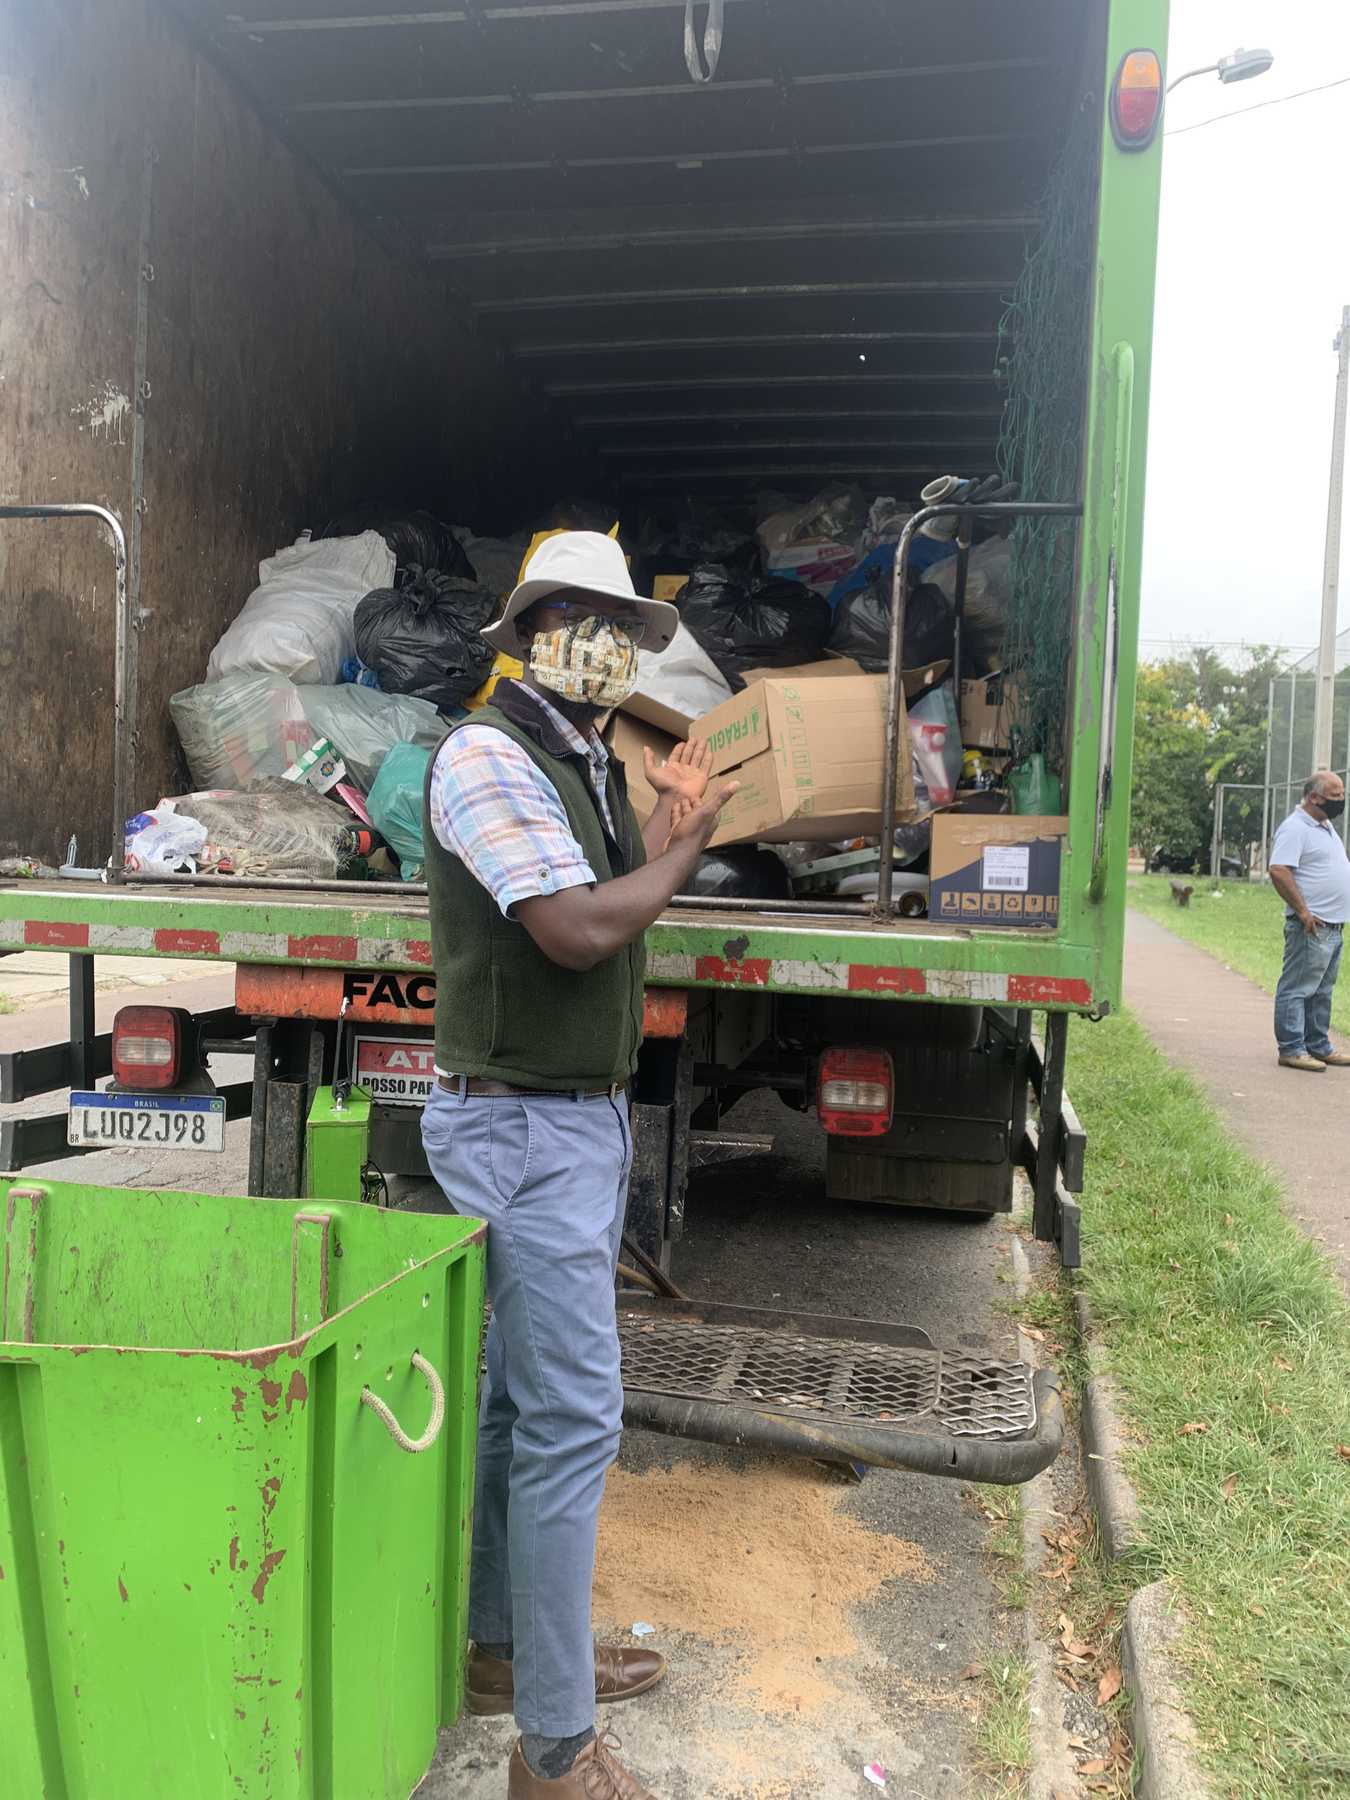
(481,259)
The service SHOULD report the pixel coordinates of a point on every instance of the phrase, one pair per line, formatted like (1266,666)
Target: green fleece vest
(503,1009)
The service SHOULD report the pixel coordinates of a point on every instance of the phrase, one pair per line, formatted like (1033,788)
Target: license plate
(152,1121)
(397,1071)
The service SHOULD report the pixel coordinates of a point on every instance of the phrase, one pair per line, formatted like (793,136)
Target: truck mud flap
(837,1389)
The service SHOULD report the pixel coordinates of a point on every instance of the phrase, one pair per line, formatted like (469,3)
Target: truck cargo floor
(851,1388)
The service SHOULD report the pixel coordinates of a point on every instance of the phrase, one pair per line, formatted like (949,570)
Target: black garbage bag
(739,872)
(417,539)
(862,627)
(773,624)
(423,638)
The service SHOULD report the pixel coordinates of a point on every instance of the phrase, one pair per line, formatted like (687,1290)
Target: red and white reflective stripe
(217,946)
(806,976)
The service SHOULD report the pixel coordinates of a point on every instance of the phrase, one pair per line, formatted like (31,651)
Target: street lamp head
(1242,65)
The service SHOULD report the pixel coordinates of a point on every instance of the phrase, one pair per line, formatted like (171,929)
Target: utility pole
(1326,653)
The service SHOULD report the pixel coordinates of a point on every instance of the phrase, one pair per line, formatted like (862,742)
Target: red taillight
(147,1047)
(1136,99)
(856,1092)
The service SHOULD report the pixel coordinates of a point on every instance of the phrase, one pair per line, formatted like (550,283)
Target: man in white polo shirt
(1311,873)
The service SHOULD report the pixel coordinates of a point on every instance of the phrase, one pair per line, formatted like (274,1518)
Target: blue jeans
(1312,960)
(550,1177)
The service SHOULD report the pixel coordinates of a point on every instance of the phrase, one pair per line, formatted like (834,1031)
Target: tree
(1199,722)
(1170,800)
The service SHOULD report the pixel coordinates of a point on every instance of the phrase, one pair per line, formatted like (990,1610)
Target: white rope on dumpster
(391,1424)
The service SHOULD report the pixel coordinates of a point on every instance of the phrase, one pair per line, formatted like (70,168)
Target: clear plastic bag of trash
(245,726)
(271,828)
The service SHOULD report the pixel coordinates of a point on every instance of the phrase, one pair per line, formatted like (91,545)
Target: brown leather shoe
(597,1774)
(1334,1059)
(621,1673)
(1311,1065)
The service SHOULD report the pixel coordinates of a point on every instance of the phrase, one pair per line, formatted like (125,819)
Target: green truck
(481,256)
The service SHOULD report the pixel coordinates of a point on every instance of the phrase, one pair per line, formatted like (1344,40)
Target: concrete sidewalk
(36,977)
(1218,1026)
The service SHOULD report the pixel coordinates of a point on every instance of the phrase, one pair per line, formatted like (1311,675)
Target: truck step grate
(842,1379)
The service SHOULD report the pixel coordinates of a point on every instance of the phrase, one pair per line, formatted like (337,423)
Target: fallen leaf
(971,1672)
(1195,1425)
(1343,1451)
(1079,1651)
(1109,1685)
(1093,1767)
(1031,1332)
(1063,1675)
(1228,1486)
(1066,1625)
(1254,1607)
(1280,1363)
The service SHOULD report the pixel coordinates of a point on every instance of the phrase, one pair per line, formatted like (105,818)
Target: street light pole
(1326,650)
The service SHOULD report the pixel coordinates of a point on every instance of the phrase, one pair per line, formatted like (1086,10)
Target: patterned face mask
(593,661)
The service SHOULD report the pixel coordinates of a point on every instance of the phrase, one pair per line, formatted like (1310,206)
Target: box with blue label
(995,869)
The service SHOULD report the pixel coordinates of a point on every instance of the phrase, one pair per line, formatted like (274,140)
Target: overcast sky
(1253,269)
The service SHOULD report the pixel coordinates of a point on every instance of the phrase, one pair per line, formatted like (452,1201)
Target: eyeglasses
(573,610)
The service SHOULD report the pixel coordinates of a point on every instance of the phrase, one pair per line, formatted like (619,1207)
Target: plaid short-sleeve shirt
(495,809)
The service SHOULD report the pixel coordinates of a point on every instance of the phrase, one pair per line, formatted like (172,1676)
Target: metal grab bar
(86,509)
(993,509)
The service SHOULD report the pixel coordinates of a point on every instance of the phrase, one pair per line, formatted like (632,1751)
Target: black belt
(503,1090)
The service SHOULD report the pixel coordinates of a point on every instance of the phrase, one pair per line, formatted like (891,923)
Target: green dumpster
(236,1453)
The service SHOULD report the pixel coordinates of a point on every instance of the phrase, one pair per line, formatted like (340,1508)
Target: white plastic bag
(163,842)
(683,676)
(935,733)
(298,620)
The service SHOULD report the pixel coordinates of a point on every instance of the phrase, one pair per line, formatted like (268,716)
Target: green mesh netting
(1043,361)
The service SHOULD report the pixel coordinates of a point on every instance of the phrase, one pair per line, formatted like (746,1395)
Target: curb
(1109,1488)
(1164,1737)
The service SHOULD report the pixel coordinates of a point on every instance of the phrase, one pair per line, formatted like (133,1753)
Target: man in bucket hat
(541,886)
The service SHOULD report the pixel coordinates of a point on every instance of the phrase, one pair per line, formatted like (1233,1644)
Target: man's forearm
(657,829)
(581,926)
(1282,880)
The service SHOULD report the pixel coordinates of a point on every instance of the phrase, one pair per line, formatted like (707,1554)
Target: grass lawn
(1243,926)
(1229,1338)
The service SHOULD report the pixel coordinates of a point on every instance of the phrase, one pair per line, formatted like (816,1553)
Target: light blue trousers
(550,1177)
(1312,961)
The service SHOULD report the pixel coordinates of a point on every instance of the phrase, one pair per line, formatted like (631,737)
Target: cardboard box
(808,754)
(667,587)
(626,738)
(665,718)
(995,869)
(986,713)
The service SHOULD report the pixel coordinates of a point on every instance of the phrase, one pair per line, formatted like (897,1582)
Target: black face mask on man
(1331,809)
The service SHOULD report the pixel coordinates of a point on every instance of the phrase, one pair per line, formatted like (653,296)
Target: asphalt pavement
(812,1627)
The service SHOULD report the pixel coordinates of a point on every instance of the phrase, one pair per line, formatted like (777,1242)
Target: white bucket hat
(592,562)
